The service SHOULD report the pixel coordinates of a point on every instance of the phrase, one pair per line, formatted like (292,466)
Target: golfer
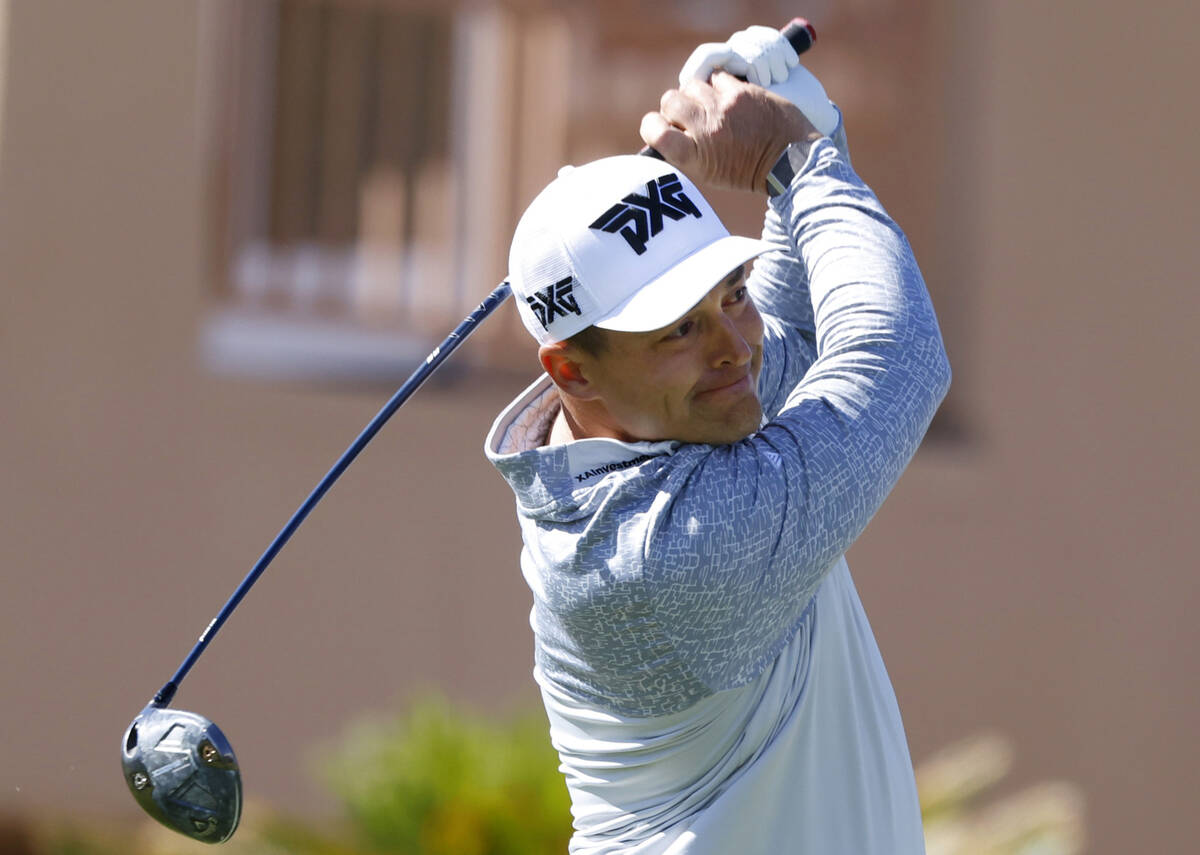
(718,420)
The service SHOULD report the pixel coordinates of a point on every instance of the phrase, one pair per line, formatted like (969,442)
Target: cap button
(565,170)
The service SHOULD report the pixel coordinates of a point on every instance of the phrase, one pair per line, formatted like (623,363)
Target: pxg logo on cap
(554,300)
(638,218)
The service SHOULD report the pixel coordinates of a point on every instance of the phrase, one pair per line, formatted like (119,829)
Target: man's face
(695,380)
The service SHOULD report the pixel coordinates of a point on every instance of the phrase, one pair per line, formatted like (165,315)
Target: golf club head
(182,771)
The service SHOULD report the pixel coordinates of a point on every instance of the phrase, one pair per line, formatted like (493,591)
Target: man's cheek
(753,329)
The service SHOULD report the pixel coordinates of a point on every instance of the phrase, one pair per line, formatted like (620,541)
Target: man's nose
(729,346)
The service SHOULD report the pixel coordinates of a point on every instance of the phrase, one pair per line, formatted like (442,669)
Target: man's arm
(750,529)
(730,134)
(764,56)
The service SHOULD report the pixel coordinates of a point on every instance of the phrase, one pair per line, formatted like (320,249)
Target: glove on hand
(761,55)
(764,57)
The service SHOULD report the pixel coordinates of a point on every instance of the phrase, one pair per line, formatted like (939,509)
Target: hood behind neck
(556,480)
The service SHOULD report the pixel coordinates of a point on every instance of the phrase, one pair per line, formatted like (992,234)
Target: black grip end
(800,33)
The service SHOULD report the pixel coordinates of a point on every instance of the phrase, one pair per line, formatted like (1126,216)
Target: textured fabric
(699,644)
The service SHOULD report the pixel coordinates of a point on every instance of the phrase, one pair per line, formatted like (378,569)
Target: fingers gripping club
(800,34)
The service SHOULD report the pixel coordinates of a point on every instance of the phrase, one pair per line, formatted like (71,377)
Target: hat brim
(669,296)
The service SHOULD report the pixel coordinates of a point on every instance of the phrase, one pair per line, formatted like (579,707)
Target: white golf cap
(624,243)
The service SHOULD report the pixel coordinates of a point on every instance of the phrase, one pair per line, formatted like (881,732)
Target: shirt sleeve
(743,534)
(779,280)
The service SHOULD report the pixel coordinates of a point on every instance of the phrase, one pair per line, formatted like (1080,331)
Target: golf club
(178,765)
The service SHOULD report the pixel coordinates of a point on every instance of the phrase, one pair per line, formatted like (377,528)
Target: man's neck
(580,420)
(560,429)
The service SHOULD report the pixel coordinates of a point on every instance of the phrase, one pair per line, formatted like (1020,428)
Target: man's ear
(561,362)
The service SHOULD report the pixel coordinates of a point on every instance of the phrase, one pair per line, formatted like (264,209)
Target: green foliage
(1044,819)
(441,781)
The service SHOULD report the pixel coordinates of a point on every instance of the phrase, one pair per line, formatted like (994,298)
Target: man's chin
(738,424)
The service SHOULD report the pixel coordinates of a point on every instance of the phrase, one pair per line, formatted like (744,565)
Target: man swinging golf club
(706,442)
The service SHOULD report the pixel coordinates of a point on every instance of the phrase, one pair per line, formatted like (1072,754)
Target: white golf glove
(760,54)
(765,58)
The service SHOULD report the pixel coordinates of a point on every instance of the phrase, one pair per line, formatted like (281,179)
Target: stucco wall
(1037,578)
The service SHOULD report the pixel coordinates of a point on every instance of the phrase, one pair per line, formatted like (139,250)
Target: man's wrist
(789,165)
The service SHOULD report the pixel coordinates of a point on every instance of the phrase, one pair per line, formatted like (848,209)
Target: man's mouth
(736,386)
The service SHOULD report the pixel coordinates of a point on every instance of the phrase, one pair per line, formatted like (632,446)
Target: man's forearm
(866,293)
(880,365)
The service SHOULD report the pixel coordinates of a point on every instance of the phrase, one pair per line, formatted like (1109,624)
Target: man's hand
(764,56)
(727,133)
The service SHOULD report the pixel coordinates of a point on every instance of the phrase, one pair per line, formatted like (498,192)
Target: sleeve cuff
(796,156)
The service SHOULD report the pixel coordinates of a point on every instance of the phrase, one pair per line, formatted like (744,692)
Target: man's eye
(682,330)
(739,295)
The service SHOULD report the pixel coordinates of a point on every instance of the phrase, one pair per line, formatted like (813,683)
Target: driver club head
(182,771)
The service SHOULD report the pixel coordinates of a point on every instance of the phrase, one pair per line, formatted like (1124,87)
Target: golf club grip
(800,34)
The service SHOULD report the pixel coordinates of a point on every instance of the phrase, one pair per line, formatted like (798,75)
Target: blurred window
(364,174)
(371,158)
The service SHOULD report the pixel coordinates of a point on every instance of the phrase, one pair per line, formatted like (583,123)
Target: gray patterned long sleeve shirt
(665,574)
(682,574)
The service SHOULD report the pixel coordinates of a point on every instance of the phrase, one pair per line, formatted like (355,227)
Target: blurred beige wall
(3,62)
(1037,577)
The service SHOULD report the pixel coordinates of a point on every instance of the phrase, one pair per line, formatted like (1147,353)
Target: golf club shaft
(435,358)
